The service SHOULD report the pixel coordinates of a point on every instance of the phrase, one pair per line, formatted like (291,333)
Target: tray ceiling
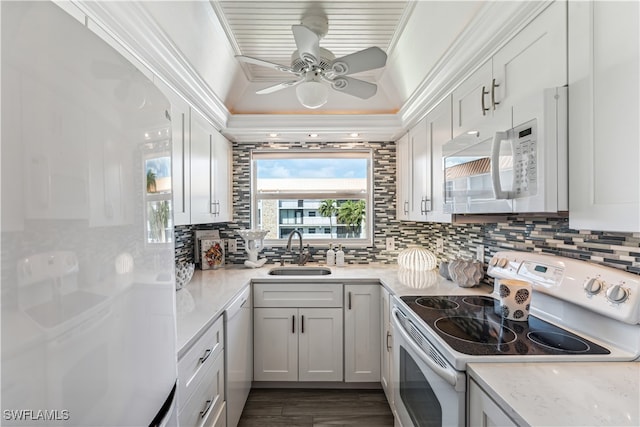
(263,29)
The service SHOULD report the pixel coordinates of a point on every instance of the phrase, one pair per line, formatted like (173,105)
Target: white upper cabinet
(420,180)
(180,155)
(534,59)
(201,166)
(420,170)
(222,174)
(472,107)
(403,178)
(604,136)
(438,126)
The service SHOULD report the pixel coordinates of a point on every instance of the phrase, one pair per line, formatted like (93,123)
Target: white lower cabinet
(201,381)
(297,344)
(386,348)
(362,333)
(483,411)
(298,332)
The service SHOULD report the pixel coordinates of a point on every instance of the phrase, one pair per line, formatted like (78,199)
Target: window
(158,198)
(325,195)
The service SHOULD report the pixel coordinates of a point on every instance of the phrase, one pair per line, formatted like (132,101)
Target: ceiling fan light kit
(317,69)
(312,94)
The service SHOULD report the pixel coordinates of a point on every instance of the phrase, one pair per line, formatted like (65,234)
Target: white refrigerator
(87,288)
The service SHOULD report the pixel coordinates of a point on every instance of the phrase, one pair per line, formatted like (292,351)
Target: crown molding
(297,127)
(491,29)
(132,26)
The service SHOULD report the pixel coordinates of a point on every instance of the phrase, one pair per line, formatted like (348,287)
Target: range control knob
(494,261)
(503,262)
(617,294)
(593,286)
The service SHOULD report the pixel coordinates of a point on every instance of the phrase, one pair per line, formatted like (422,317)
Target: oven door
(427,390)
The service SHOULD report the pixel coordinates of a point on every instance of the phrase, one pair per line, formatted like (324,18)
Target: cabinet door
(275,344)
(320,344)
(535,59)
(403,178)
(483,411)
(202,207)
(604,178)
(420,158)
(221,169)
(181,161)
(362,333)
(438,133)
(472,102)
(386,348)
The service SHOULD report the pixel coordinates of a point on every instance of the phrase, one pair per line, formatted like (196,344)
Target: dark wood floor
(316,408)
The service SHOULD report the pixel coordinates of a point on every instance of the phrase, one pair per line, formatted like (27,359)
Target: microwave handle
(495,167)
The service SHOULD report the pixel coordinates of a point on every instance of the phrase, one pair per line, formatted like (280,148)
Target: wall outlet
(480,253)
(232,245)
(439,246)
(390,244)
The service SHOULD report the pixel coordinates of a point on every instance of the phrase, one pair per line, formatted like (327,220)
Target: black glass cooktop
(473,325)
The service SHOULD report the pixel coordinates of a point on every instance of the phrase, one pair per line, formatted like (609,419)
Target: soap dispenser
(331,255)
(340,257)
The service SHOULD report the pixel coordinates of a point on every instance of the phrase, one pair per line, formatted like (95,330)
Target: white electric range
(579,312)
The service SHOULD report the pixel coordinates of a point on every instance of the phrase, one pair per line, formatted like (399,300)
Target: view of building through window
(324,197)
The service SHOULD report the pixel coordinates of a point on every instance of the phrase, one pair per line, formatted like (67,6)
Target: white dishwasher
(239,354)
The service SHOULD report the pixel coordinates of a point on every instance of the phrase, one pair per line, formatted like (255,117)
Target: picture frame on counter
(212,254)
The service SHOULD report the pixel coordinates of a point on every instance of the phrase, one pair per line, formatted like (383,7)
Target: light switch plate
(439,246)
(390,244)
(480,253)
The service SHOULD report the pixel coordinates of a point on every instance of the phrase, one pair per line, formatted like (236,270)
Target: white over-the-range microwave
(519,170)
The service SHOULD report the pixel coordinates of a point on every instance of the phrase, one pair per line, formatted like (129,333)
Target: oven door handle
(449,375)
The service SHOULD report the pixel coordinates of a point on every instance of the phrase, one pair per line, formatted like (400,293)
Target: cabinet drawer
(297,295)
(207,397)
(199,357)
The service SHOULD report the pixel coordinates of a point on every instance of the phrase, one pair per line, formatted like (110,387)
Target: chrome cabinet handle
(206,355)
(206,408)
(494,85)
(484,92)
(388,336)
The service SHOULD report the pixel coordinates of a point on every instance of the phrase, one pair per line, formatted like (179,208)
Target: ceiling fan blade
(279,86)
(308,44)
(263,63)
(363,60)
(355,87)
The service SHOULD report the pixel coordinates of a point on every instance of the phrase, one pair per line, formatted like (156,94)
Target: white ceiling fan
(316,69)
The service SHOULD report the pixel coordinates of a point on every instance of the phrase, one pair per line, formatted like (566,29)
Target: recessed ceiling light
(354,134)
(273,135)
(313,135)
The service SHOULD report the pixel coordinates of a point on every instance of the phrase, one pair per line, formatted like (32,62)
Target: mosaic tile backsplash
(547,235)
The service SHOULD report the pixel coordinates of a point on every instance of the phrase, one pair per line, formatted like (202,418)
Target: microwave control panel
(525,159)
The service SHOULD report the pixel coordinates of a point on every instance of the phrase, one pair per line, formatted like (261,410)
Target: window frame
(366,154)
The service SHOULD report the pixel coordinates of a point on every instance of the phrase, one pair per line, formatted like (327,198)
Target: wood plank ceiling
(262,29)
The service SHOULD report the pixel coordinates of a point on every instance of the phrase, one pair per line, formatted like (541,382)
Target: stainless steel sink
(299,271)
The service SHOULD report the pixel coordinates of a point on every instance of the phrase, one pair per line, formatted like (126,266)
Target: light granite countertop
(563,394)
(205,298)
(532,394)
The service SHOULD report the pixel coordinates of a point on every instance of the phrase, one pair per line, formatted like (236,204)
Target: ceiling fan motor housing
(324,62)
